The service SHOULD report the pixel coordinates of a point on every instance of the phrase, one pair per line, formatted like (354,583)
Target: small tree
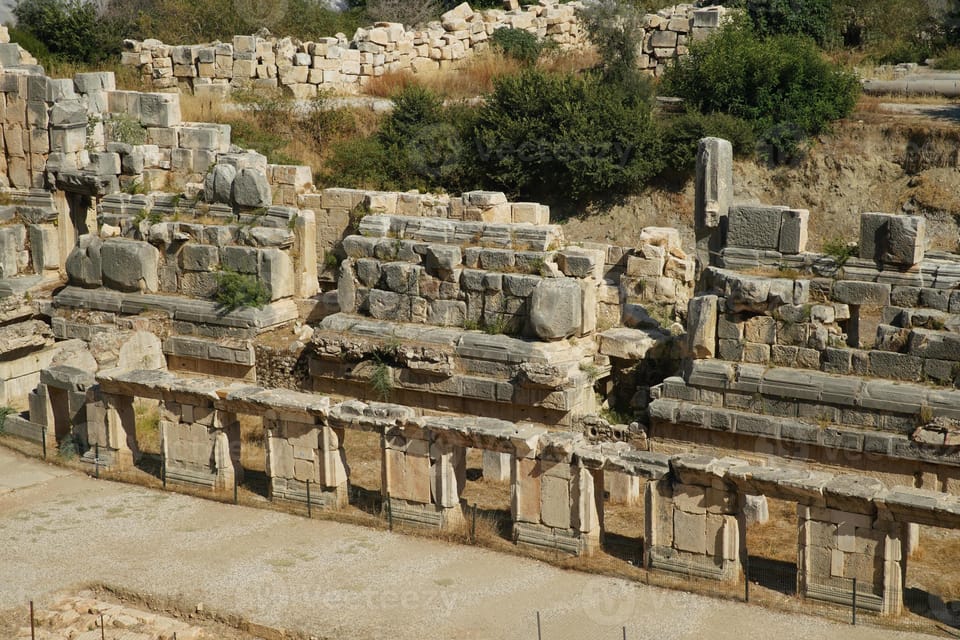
(782,84)
(614,27)
(565,137)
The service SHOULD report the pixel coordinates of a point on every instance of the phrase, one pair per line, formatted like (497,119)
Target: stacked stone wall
(303,68)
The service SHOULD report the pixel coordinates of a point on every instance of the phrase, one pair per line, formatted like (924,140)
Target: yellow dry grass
(475,76)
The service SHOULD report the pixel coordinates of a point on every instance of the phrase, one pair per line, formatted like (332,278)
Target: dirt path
(328,579)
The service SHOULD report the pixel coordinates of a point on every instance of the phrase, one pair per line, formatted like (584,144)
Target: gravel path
(329,579)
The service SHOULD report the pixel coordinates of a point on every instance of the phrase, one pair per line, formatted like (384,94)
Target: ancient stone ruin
(448,323)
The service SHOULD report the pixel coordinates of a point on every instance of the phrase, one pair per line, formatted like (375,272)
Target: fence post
(389,513)
(854,602)
(309,508)
(236,489)
(473,525)
(43,440)
(746,578)
(624,633)
(103,633)
(96,460)
(539,635)
(33,635)
(163,468)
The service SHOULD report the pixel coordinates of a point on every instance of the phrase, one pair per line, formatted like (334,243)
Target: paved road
(333,580)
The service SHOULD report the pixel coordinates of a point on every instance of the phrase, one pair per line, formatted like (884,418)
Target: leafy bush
(237,290)
(4,413)
(782,84)
(69,447)
(356,162)
(70,29)
(563,136)
(518,44)
(611,26)
(123,128)
(812,18)
(948,59)
(683,133)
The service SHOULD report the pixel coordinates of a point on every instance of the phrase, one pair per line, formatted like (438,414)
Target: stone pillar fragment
(714,194)
(702,315)
(496,466)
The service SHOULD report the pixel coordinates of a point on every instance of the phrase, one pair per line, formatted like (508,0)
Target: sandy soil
(328,579)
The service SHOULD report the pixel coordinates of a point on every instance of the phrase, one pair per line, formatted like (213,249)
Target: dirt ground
(326,579)
(889,156)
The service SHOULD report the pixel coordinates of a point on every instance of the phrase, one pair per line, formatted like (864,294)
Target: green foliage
(123,128)
(948,59)
(421,145)
(4,413)
(682,134)
(358,163)
(563,136)
(381,380)
(69,447)
(782,84)
(518,44)
(611,26)
(237,290)
(72,30)
(811,18)
(840,250)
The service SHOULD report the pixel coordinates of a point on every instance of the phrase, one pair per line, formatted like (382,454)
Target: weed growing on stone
(237,290)
(840,250)
(381,381)
(4,413)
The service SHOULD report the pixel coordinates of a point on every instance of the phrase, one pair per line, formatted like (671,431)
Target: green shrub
(70,29)
(683,133)
(611,26)
(69,447)
(238,290)
(840,250)
(948,59)
(358,163)
(782,84)
(123,128)
(518,44)
(4,413)
(812,18)
(565,137)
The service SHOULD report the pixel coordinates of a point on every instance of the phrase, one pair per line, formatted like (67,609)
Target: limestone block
(105,163)
(793,231)
(555,501)
(130,265)
(714,182)
(241,259)
(702,317)
(68,113)
(690,532)
(44,247)
(251,189)
(755,227)
(525,490)
(408,476)
(861,293)
(84,264)
(496,466)
(218,184)
(755,510)
(276,273)
(556,308)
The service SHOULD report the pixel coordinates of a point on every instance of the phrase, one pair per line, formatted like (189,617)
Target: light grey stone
(130,265)
(447,313)
(702,326)
(251,189)
(83,264)
(793,231)
(754,227)
(241,259)
(861,293)
(555,309)
(218,183)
